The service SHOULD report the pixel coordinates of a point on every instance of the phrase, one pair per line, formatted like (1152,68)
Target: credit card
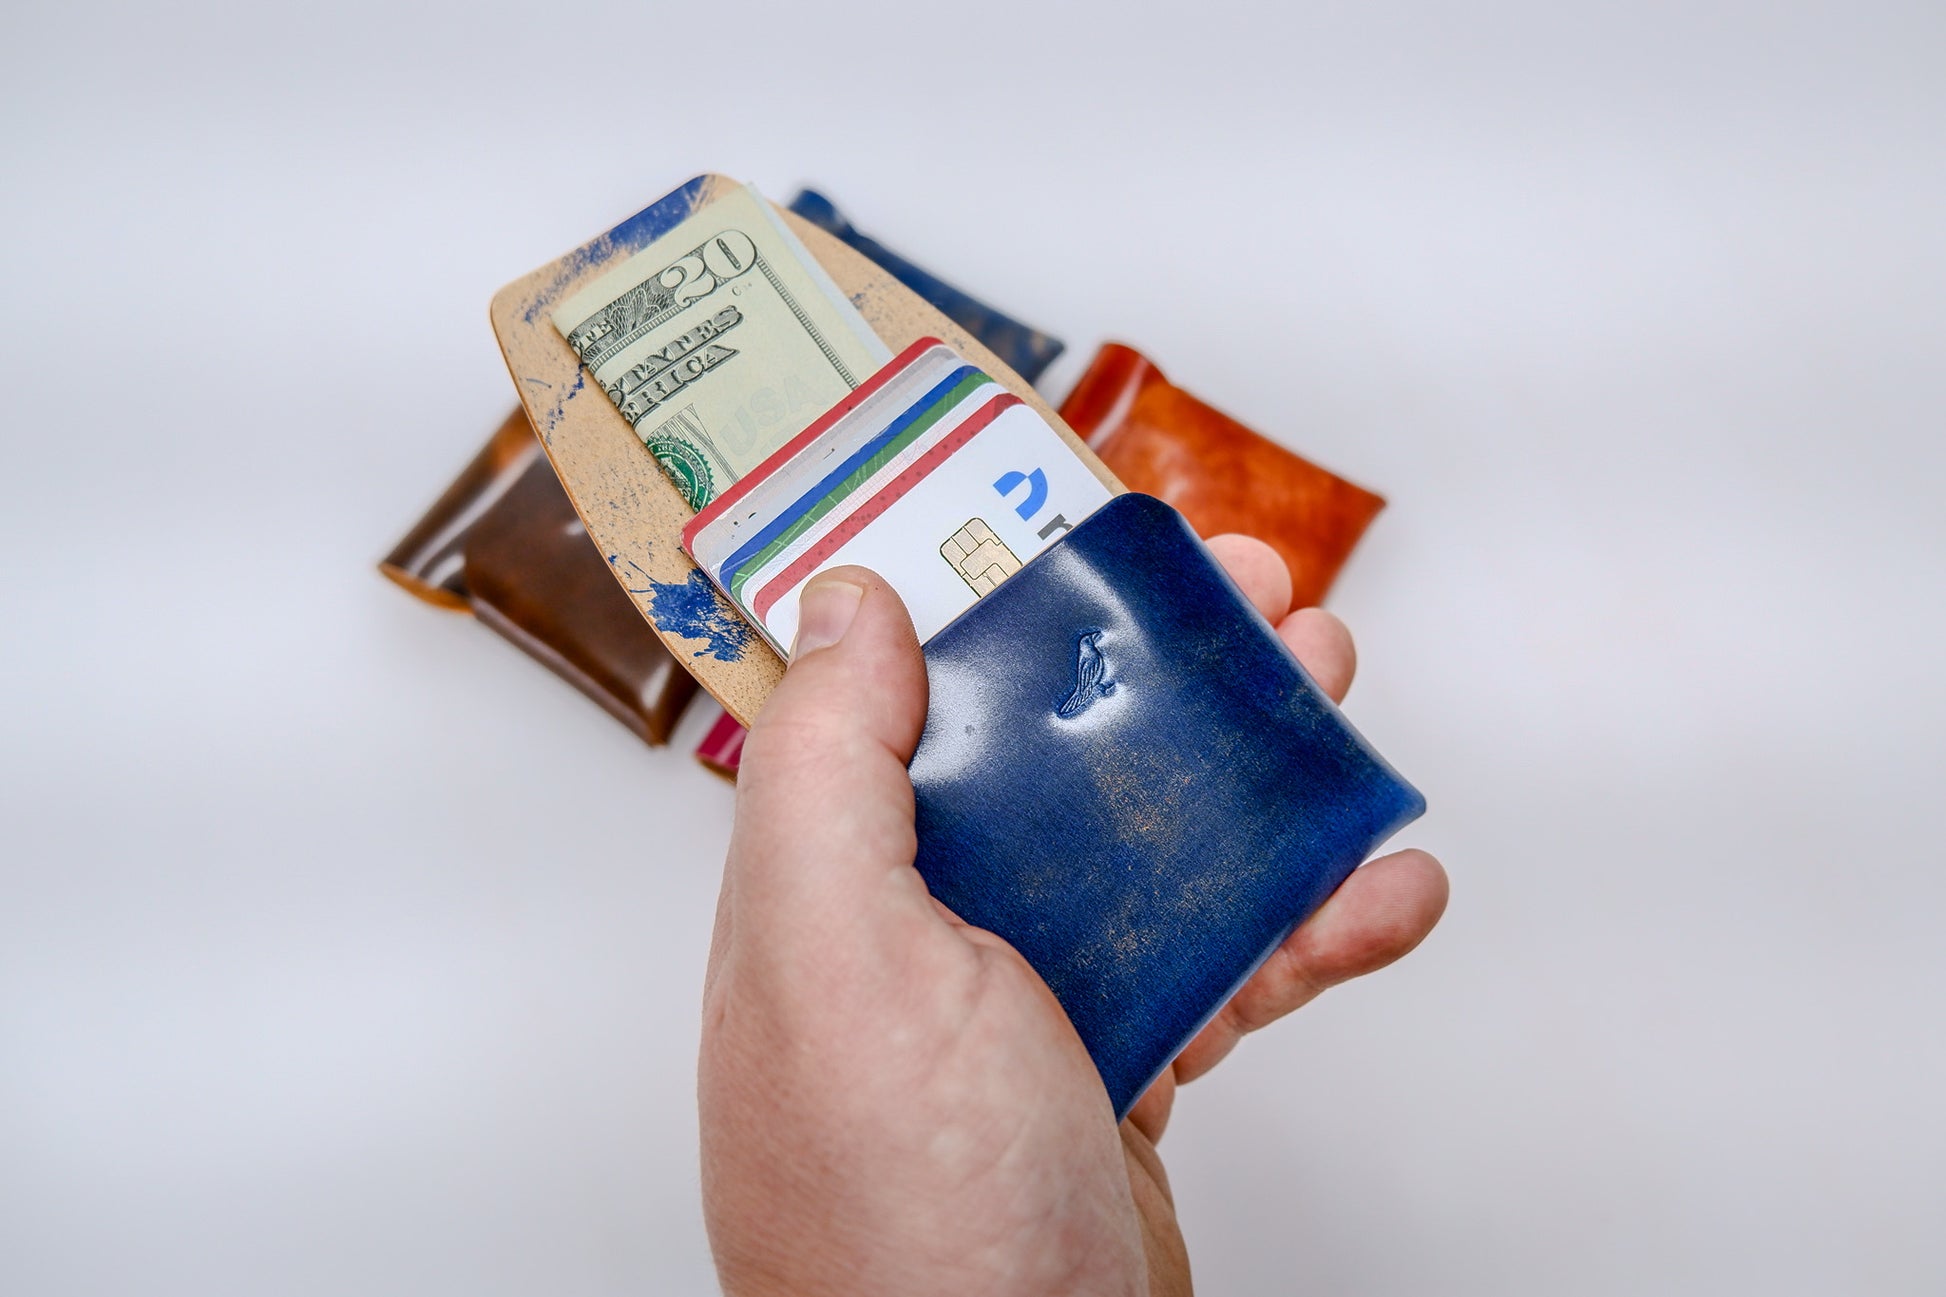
(982,501)
(839,482)
(964,408)
(712,534)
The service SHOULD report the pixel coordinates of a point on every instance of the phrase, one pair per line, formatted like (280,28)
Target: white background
(343,950)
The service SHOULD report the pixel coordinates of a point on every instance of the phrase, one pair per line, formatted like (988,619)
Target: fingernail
(824,613)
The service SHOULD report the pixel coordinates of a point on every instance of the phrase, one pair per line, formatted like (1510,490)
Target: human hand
(892,1101)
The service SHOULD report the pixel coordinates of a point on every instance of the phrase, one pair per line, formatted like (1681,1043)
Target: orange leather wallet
(1218,473)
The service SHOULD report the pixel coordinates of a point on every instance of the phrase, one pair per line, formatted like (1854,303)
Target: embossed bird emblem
(1090,677)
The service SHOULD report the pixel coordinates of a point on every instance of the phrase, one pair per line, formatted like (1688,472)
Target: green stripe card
(791,525)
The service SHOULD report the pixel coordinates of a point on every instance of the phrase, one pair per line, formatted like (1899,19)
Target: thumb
(824,835)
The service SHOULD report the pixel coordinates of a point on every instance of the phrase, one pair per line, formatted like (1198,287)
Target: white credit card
(715,532)
(845,501)
(831,498)
(996,490)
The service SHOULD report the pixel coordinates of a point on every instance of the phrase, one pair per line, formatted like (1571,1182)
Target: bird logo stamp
(1091,679)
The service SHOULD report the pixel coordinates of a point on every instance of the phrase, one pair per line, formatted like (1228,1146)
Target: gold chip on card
(981,558)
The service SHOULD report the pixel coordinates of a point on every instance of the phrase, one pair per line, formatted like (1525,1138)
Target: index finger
(1319,639)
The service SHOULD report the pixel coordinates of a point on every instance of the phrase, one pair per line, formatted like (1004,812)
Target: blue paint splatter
(560,407)
(652,222)
(693,610)
(632,235)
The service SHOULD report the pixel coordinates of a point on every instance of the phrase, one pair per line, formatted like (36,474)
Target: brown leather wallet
(1222,476)
(429,561)
(504,543)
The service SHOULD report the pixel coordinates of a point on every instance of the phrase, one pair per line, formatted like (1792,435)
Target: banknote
(719,341)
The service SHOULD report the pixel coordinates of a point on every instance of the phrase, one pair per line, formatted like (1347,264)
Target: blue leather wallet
(1024,349)
(1127,775)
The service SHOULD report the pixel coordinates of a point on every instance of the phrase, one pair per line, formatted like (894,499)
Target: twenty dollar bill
(720,341)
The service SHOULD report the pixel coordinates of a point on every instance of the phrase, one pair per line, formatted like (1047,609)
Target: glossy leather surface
(503,543)
(1026,350)
(1164,442)
(1126,774)
(429,561)
(533,575)
(721,750)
